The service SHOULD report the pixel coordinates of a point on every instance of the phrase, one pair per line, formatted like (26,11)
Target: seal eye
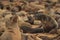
(11,0)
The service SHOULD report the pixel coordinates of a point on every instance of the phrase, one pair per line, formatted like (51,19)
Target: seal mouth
(2,32)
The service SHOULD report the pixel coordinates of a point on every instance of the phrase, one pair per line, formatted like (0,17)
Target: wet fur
(48,22)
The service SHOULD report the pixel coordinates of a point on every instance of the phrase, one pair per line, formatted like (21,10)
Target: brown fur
(12,32)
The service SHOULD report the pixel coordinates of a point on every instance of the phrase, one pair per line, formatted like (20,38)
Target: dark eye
(10,17)
(11,0)
(3,15)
